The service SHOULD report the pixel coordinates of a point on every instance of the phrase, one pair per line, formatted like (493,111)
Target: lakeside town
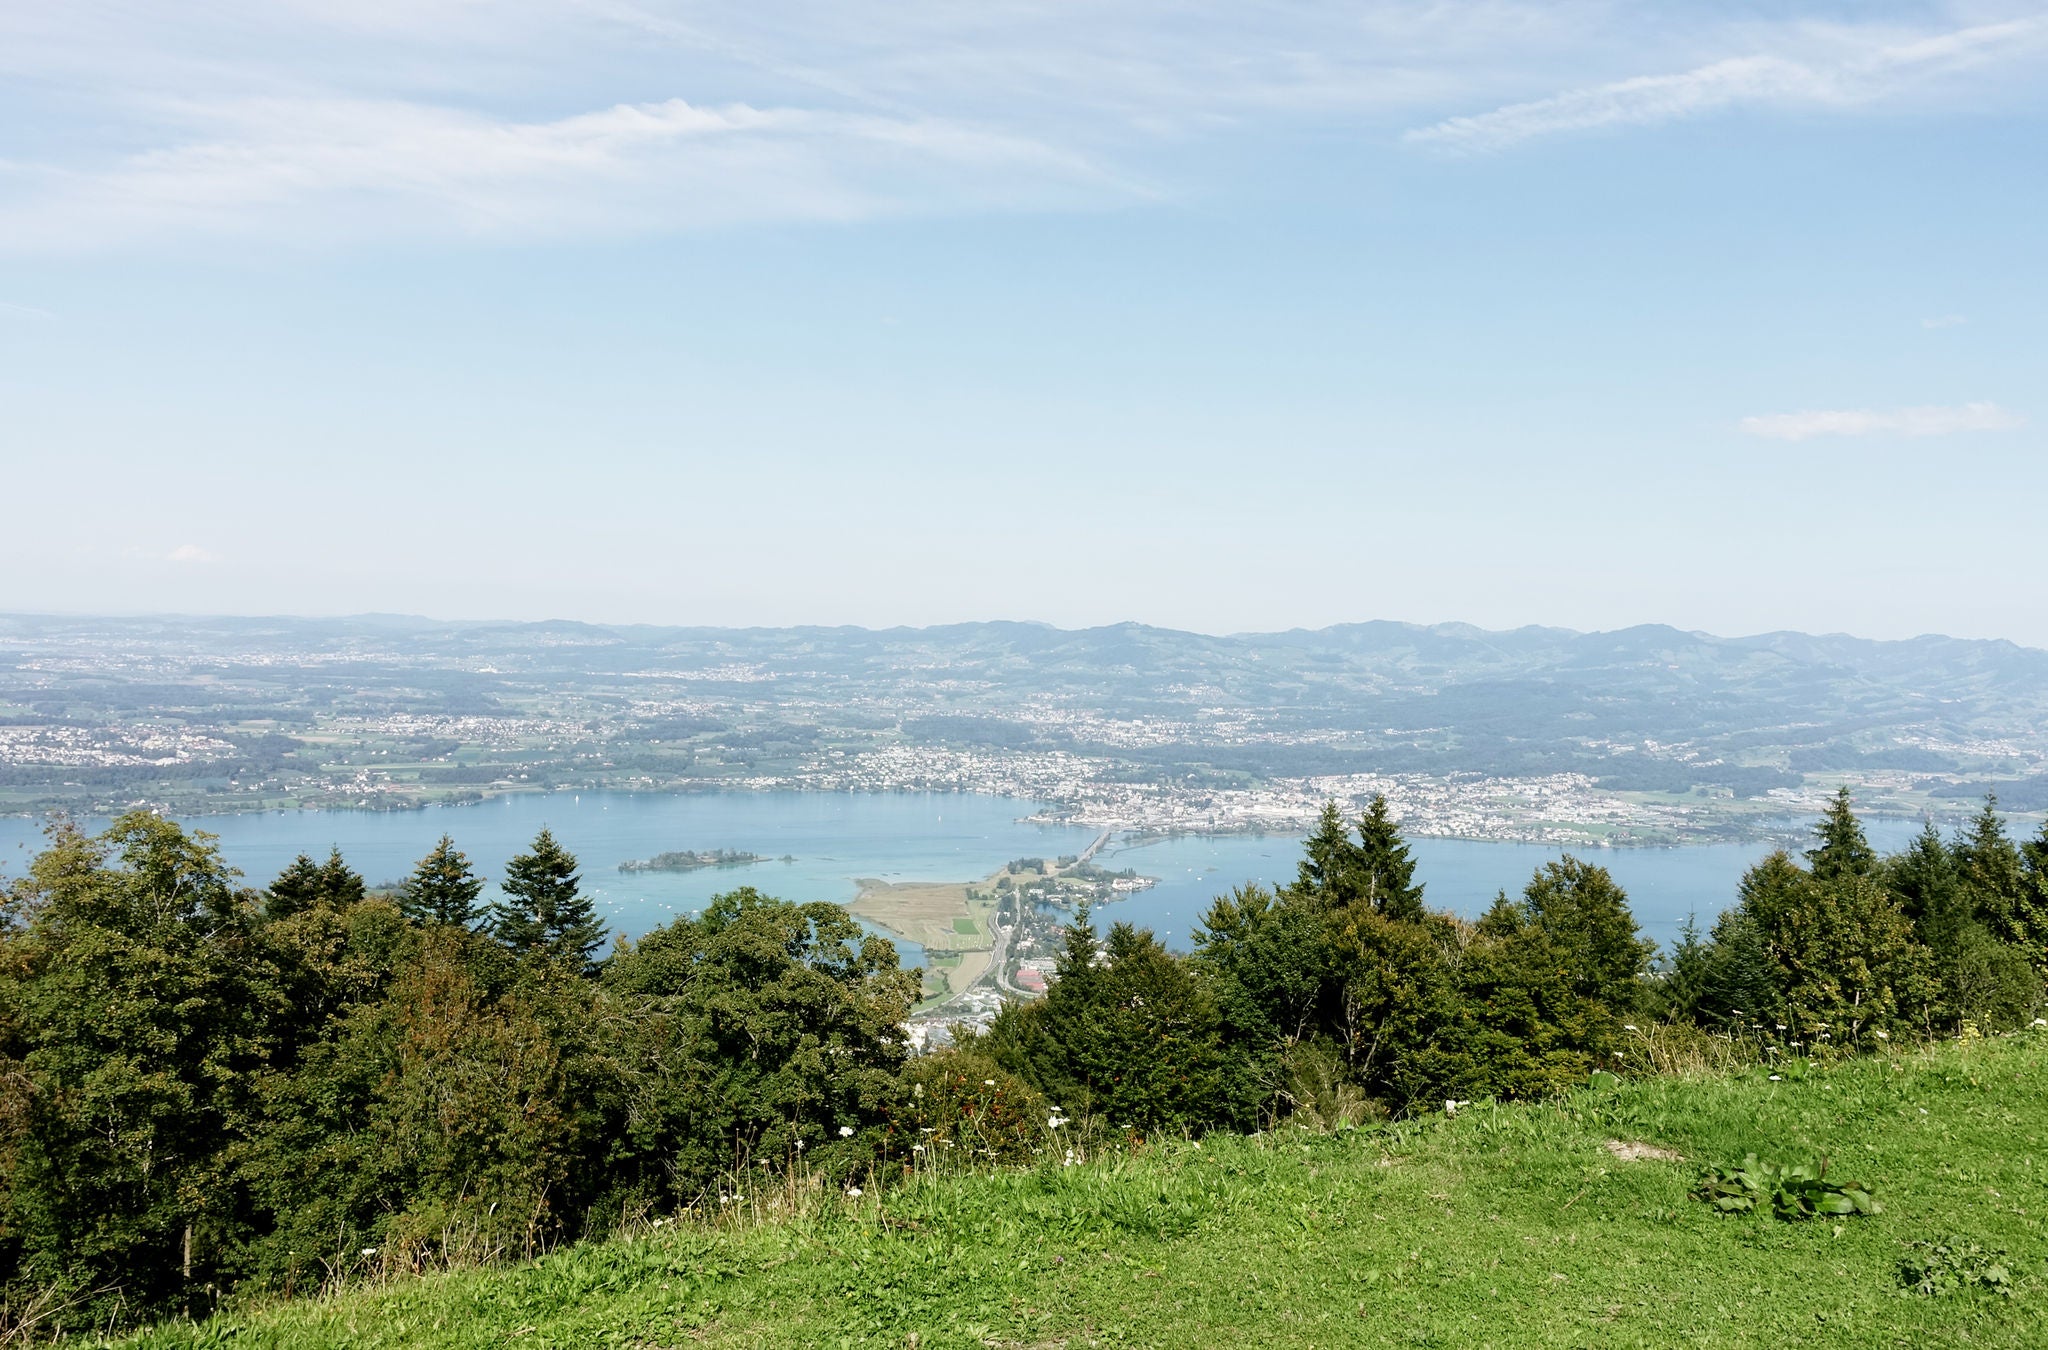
(1241,735)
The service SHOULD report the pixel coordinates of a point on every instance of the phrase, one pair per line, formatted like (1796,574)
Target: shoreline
(1126,836)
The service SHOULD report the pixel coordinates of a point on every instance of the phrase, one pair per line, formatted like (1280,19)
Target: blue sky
(1222,316)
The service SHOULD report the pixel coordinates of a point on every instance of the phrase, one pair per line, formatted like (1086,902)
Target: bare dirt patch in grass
(1636,1152)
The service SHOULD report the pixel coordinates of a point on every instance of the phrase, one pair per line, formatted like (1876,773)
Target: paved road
(999,952)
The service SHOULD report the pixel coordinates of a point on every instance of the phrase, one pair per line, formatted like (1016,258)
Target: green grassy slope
(1513,1226)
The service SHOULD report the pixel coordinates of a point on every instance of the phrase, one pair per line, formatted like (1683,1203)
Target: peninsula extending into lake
(994,938)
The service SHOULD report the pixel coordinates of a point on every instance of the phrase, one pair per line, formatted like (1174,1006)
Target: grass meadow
(1516,1225)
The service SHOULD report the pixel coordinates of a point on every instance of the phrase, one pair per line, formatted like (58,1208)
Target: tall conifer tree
(1328,873)
(305,883)
(442,888)
(296,888)
(1843,850)
(2030,914)
(1387,873)
(1991,870)
(1929,891)
(340,884)
(544,911)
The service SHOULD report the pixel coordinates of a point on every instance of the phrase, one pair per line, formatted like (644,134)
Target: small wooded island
(689,860)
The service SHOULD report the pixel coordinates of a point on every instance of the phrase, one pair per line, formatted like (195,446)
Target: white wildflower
(1630,1026)
(1777,1078)
(988,1082)
(369,1251)
(1882,1034)
(1451,1108)
(853,1192)
(846,1131)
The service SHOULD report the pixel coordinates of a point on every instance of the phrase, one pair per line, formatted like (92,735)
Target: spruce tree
(1843,851)
(442,888)
(1924,880)
(1739,983)
(1386,871)
(340,884)
(296,888)
(1331,866)
(1586,917)
(305,883)
(1844,949)
(1079,948)
(1991,870)
(543,911)
(2030,913)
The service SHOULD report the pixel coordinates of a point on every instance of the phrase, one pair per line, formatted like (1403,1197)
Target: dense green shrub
(960,1101)
(1129,1034)
(755,1032)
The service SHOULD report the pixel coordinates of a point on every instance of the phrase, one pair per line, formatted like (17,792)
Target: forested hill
(1648,709)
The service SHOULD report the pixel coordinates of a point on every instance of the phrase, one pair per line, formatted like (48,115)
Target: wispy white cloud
(1944,321)
(310,120)
(1928,420)
(191,553)
(25,311)
(341,167)
(1852,69)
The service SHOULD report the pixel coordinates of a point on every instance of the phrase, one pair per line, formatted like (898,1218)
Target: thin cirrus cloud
(1929,420)
(346,166)
(191,553)
(316,121)
(1851,71)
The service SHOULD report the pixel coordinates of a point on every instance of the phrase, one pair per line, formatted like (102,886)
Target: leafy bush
(1795,1192)
(962,1102)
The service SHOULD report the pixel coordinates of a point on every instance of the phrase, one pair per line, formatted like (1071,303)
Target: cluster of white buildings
(108,747)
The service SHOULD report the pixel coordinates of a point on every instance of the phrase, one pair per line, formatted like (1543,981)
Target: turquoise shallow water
(836,838)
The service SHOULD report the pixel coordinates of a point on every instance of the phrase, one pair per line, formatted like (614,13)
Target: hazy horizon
(1436,624)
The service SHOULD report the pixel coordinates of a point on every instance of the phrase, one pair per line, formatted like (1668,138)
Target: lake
(836,838)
